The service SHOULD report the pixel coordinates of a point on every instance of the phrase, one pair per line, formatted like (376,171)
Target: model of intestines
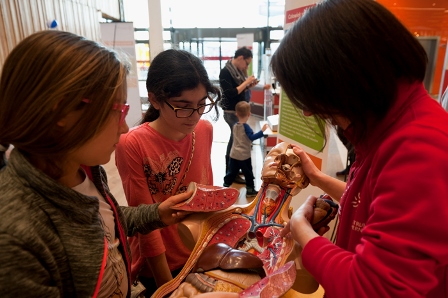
(239,249)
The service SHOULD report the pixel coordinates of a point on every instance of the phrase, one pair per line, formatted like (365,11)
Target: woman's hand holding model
(300,223)
(332,186)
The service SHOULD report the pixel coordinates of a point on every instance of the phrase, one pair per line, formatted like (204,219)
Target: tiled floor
(221,133)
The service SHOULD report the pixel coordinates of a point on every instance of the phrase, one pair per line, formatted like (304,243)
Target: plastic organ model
(239,249)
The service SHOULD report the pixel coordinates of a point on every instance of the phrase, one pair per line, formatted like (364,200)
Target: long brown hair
(47,76)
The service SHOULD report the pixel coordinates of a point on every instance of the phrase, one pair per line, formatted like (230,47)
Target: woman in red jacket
(353,64)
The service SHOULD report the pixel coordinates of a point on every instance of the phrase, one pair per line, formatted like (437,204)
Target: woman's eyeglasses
(187,112)
(122,108)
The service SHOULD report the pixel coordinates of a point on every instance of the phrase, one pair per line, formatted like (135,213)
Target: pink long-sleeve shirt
(151,168)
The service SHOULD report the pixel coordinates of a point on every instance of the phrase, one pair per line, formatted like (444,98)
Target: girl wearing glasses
(168,150)
(62,233)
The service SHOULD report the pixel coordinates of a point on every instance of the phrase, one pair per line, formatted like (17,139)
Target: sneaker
(251,193)
(239,180)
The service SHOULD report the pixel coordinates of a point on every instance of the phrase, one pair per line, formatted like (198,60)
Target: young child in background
(240,153)
(168,150)
(62,233)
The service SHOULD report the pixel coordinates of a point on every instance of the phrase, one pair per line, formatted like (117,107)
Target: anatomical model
(238,248)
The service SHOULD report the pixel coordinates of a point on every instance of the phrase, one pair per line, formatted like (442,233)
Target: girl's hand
(170,216)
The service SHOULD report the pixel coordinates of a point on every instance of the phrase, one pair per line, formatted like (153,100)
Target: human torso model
(236,247)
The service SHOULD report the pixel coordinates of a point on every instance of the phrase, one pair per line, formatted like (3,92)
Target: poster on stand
(294,9)
(294,127)
(120,37)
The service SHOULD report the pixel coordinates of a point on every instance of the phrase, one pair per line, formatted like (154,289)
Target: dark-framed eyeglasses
(121,107)
(187,112)
(247,63)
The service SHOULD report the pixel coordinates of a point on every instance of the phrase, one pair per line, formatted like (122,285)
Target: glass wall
(213,50)
(209,14)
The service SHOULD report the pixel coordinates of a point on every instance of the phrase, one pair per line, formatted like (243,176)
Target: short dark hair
(174,71)
(243,51)
(347,57)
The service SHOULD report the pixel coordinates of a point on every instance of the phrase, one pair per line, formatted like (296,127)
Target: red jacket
(392,238)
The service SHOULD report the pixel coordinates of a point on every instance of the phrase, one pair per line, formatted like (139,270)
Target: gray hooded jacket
(51,238)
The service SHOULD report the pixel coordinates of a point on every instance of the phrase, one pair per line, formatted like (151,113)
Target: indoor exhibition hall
(258,148)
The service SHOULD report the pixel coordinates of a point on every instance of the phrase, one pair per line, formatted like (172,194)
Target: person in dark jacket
(235,86)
